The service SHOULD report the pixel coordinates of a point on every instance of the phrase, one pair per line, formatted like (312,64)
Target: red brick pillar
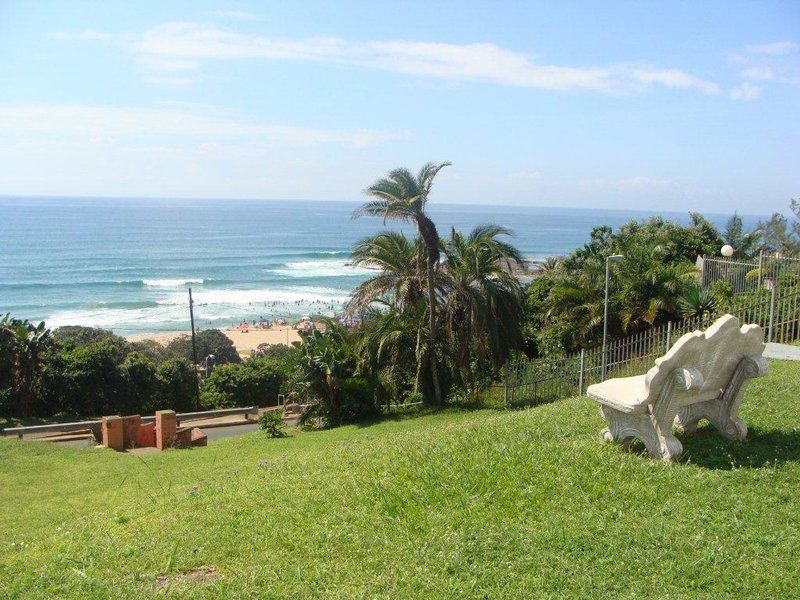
(166,424)
(130,430)
(112,433)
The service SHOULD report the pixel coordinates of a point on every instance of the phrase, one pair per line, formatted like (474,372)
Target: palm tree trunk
(437,392)
(427,231)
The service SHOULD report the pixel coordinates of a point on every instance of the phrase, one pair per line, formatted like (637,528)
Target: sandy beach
(243,341)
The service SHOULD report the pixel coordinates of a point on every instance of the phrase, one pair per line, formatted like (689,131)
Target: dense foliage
(657,281)
(88,372)
(254,382)
(208,342)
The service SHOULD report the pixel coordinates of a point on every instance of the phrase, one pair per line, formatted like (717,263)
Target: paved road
(782,351)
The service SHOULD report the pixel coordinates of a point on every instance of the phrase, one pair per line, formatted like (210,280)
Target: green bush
(72,336)
(152,349)
(140,385)
(208,341)
(86,380)
(271,422)
(255,381)
(176,386)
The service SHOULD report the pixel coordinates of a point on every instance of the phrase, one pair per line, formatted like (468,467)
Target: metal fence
(546,379)
(767,271)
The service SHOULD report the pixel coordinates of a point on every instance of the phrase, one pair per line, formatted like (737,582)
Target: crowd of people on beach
(319,306)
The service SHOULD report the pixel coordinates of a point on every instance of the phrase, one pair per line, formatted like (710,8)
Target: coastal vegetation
(437,320)
(88,372)
(460,502)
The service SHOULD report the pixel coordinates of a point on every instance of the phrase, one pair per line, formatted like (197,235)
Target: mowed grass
(483,503)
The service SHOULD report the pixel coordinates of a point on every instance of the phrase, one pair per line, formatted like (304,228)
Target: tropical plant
(403,195)
(388,344)
(328,374)
(397,281)
(22,350)
(650,288)
(781,235)
(482,298)
(697,302)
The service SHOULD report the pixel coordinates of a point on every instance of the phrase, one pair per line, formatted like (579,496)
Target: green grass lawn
(459,503)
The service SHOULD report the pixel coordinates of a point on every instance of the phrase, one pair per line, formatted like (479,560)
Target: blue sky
(672,105)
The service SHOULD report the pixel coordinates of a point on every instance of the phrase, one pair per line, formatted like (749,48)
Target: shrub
(151,349)
(208,341)
(176,385)
(252,382)
(86,379)
(271,422)
(140,385)
(72,336)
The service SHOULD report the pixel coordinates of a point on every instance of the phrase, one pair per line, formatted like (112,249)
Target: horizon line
(340,201)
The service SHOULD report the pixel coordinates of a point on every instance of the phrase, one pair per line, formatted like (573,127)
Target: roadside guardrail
(95,425)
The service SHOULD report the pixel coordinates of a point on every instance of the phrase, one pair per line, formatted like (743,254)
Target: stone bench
(703,376)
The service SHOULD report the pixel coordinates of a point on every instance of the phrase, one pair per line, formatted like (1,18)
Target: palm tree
(577,298)
(387,345)
(397,282)
(745,244)
(650,288)
(483,298)
(403,196)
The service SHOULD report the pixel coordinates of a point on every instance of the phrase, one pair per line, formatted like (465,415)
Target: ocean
(127,264)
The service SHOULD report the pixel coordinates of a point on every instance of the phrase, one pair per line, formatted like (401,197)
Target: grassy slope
(484,504)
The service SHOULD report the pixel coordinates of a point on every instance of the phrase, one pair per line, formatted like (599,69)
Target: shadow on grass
(763,447)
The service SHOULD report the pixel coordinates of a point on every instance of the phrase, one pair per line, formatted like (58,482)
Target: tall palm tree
(483,299)
(403,195)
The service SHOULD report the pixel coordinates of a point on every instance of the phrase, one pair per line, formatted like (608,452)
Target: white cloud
(746,91)
(81,121)
(774,49)
(192,42)
(758,74)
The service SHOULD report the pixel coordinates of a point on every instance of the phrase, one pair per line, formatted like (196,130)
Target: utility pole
(194,354)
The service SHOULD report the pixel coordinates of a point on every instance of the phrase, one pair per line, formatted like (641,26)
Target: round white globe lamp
(727,251)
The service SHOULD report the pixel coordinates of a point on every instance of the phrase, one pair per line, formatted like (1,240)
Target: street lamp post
(209,362)
(609,260)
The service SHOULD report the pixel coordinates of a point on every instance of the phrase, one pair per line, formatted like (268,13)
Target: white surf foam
(168,283)
(260,296)
(327,267)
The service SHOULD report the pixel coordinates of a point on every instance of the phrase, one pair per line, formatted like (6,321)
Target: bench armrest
(757,366)
(689,378)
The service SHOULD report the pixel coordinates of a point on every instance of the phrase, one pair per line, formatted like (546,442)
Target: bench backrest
(715,353)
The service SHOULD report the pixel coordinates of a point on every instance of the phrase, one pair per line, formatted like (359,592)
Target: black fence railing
(546,379)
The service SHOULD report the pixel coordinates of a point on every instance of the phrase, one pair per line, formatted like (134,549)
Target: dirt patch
(196,575)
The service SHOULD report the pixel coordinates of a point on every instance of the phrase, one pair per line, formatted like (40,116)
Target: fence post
(771,312)
(505,384)
(580,374)
(760,266)
(669,334)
